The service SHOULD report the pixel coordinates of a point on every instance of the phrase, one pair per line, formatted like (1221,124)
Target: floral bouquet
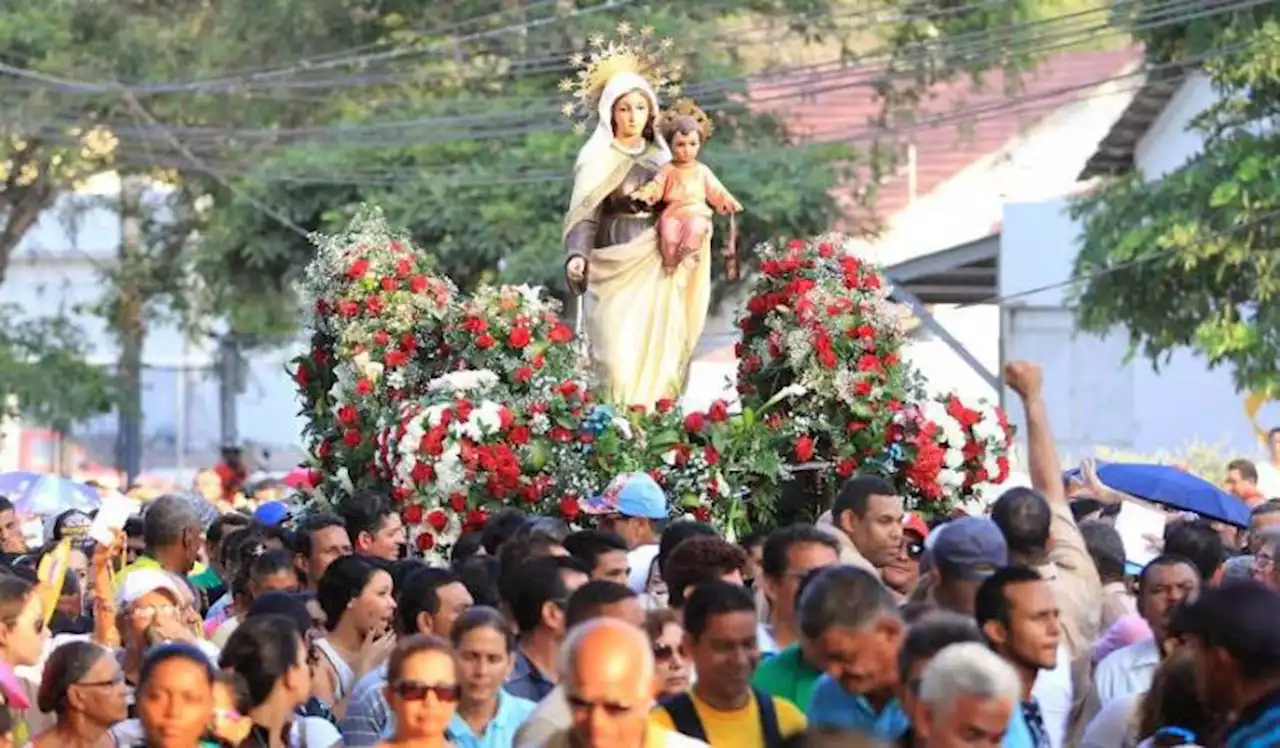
(377,312)
(819,327)
(947,453)
(515,333)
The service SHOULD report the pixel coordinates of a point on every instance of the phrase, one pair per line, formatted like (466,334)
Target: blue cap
(970,548)
(272,513)
(630,495)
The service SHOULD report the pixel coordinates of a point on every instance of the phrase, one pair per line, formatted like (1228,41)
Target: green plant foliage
(44,375)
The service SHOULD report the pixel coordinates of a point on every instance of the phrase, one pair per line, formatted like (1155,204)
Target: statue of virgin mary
(642,322)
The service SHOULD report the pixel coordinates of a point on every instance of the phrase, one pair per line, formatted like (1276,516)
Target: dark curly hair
(700,559)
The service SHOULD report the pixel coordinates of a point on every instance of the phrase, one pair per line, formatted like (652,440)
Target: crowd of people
(872,626)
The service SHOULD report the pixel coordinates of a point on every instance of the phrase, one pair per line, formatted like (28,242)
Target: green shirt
(787,675)
(207,579)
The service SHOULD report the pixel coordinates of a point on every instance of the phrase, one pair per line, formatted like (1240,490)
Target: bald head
(605,651)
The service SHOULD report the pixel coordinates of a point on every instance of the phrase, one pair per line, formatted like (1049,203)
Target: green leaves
(43,372)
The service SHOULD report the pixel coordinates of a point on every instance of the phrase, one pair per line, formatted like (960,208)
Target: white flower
(435,414)
(450,472)
(623,426)
(669,457)
(366,366)
(950,479)
(991,466)
(988,429)
(540,423)
(484,419)
(463,381)
(953,458)
(344,480)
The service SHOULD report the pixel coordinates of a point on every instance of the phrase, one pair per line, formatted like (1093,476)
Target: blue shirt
(832,707)
(1258,725)
(527,681)
(501,730)
(368,713)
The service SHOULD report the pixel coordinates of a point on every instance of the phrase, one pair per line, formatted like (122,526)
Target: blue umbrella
(47,495)
(1178,489)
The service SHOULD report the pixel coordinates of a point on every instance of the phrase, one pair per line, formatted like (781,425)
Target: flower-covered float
(456,406)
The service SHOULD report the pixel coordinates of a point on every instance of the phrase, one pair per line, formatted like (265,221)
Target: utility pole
(231,382)
(130,328)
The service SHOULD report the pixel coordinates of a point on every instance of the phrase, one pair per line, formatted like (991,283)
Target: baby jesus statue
(685,186)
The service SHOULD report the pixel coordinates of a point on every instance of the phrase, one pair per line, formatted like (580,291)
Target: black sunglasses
(665,652)
(412,690)
(914,549)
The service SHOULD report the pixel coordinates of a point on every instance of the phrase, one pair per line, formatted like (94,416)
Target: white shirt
(1268,478)
(1113,727)
(1126,670)
(1056,694)
(640,559)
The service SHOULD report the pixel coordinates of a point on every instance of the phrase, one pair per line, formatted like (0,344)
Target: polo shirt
(833,708)
(527,681)
(787,675)
(1258,725)
(1127,670)
(501,730)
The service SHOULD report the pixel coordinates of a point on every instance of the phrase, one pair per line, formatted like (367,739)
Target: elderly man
(610,682)
(967,697)
(173,535)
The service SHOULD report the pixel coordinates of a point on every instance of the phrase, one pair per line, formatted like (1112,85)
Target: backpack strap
(684,716)
(768,718)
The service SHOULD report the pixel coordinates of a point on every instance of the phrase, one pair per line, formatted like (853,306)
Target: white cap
(145,581)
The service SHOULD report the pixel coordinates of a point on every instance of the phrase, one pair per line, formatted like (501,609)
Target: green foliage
(43,371)
(1190,261)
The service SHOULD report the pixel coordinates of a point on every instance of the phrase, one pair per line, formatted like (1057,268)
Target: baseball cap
(915,523)
(970,548)
(272,513)
(143,582)
(630,495)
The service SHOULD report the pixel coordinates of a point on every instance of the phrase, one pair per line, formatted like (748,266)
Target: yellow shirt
(740,728)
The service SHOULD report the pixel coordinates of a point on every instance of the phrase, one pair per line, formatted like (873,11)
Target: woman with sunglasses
(269,653)
(667,637)
(84,687)
(484,649)
(422,691)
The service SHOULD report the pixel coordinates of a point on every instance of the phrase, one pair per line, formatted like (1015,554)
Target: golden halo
(629,53)
(687,108)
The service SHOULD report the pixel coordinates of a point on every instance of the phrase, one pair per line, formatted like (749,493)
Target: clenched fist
(1024,378)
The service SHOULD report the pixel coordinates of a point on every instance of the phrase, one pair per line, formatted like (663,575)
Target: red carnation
(825,250)
(348,308)
(403,267)
(519,435)
(523,375)
(418,284)
(710,454)
(719,411)
(694,422)
(412,514)
(437,519)
(364,386)
(665,405)
(300,375)
(357,269)
(396,359)
(484,342)
(324,449)
(352,438)
(804,448)
(347,415)
(457,502)
(570,508)
(422,472)
(426,542)
(845,468)
(519,337)
(702,514)
(388,284)
(560,333)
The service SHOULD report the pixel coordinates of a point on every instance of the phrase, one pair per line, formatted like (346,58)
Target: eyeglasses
(914,550)
(665,652)
(142,611)
(116,680)
(412,690)
(611,708)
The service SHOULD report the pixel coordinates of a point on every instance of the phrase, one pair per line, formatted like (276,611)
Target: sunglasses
(611,708)
(665,652)
(914,549)
(412,690)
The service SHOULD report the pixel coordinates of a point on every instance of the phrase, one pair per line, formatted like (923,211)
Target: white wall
(1168,144)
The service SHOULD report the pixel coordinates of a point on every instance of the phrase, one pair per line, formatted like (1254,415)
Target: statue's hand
(576,269)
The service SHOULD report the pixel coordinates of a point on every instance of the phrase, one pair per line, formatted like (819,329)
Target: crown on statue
(687,108)
(631,52)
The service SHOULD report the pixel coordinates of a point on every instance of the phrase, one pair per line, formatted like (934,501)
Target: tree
(1189,261)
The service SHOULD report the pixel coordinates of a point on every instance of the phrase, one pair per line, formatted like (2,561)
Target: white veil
(602,137)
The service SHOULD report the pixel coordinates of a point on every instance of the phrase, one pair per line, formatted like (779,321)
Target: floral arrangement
(949,453)
(456,407)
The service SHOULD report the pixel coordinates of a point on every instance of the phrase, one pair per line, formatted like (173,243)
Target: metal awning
(964,274)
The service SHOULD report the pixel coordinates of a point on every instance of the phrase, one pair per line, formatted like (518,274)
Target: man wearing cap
(965,553)
(634,506)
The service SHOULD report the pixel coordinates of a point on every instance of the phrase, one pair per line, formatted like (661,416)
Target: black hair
(480,575)
(780,542)
(1164,559)
(535,584)
(1198,541)
(499,528)
(752,539)
(1245,468)
(586,601)
(239,689)
(1270,506)
(992,602)
(1023,516)
(855,495)
(262,650)
(467,545)
(309,526)
(1082,508)
(675,534)
(930,634)
(65,667)
(272,561)
(419,593)
(365,512)
(133,527)
(715,598)
(281,604)
(590,545)
(159,655)
(14,591)
(5,504)
(699,560)
(481,617)
(222,525)
(343,581)
(402,569)
(1106,548)
(841,596)
(531,541)
(1239,618)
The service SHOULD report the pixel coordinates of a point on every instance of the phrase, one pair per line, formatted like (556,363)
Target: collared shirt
(501,730)
(367,711)
(1127,670)
(527,681)
(1054,692)
(787,675)
(1258,725)
(834,708)
(551,716)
